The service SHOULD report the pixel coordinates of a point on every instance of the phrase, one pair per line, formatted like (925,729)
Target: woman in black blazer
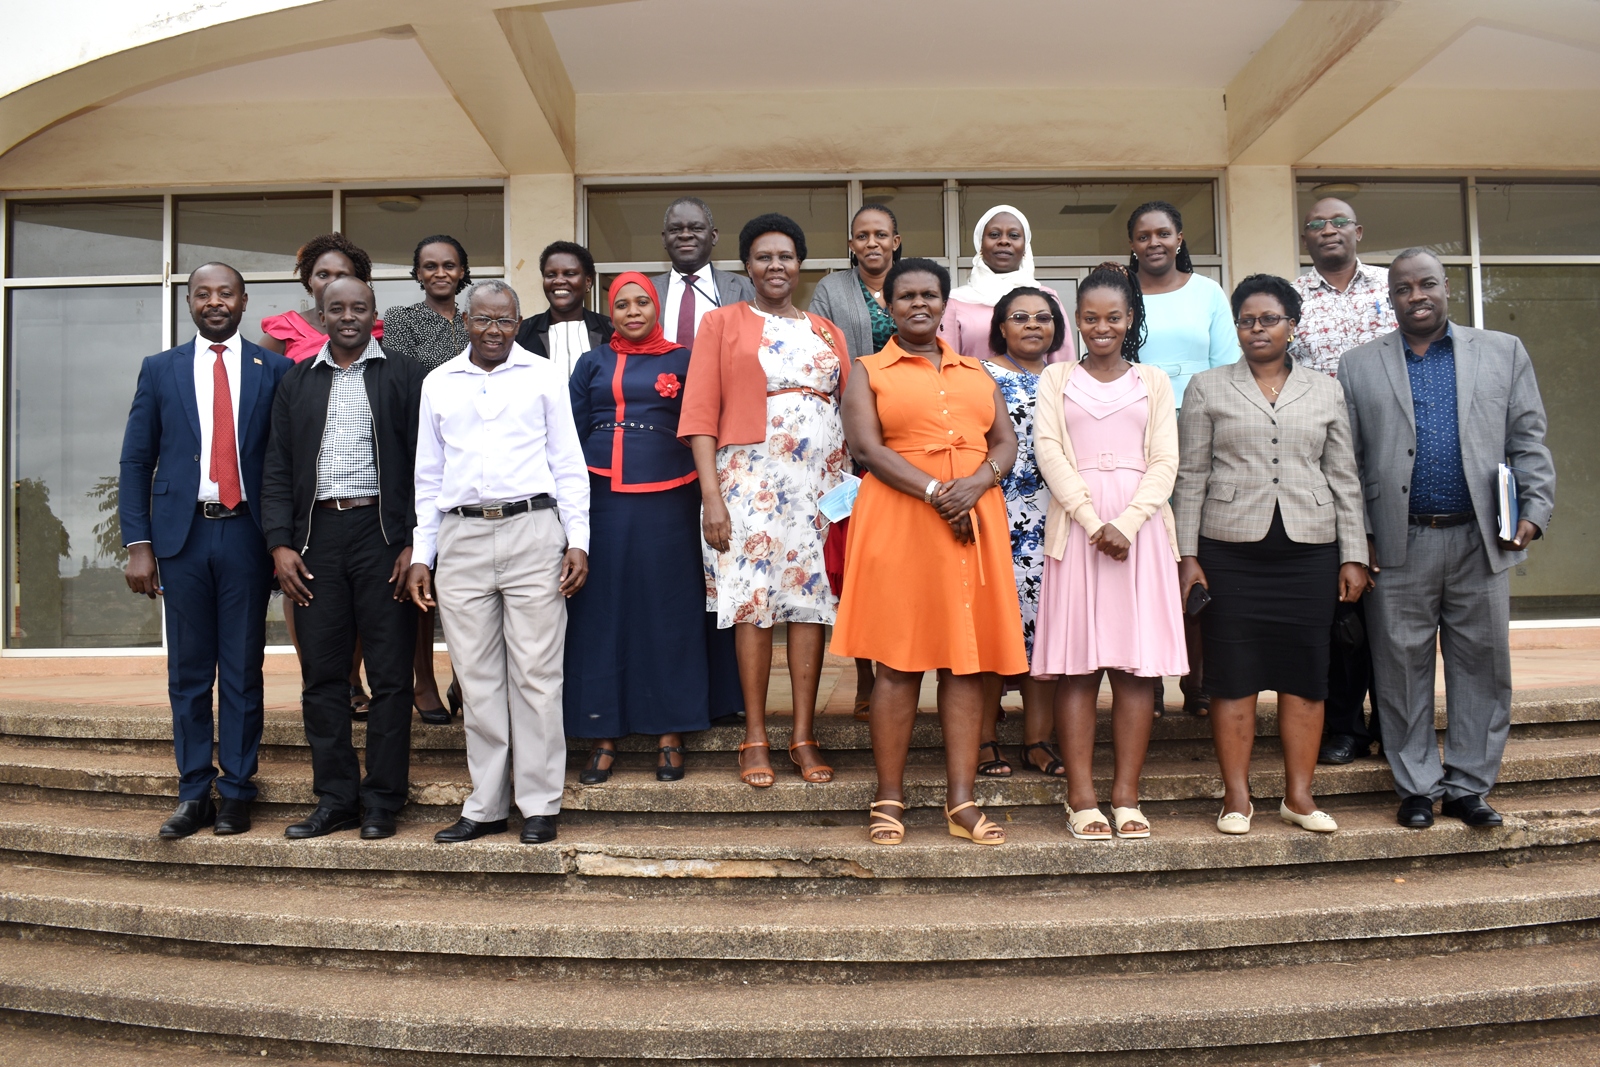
(568,329)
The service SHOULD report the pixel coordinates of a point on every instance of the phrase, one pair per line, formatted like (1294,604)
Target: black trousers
(1349,679)
(351,592)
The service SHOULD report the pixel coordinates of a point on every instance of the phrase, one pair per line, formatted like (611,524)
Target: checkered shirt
(1332,323)
(347,465)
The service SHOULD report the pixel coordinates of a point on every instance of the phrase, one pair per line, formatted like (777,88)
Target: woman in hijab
(637,659)
(1004,262)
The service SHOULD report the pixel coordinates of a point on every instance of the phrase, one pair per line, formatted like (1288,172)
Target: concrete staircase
(707,921)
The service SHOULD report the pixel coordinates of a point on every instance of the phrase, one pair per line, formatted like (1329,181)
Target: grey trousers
(497,582)
(1445,590)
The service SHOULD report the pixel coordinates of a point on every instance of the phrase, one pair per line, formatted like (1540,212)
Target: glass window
(1398,215)
(75,357)
(625,224)
(274,298)
(258,233)
(58,239)
(1553,310)
(919,211)
(1537,219)
(389,225)
(1091,219)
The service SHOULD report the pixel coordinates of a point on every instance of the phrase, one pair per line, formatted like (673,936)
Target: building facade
(138,139)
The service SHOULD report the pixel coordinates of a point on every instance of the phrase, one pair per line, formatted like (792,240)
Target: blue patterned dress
(1027,497)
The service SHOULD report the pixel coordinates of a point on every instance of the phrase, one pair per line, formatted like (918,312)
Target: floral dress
(773,569)
(1027,497)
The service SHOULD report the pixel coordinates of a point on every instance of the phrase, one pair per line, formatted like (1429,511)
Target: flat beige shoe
(1236,822)
(1077,820)
(1121,817)
(1318,822)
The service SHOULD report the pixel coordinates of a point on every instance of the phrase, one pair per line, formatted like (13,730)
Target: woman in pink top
(1004,261)
(299,334)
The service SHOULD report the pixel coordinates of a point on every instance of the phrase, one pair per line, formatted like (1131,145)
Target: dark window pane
(75,357)
(1091,219)
(1398,215)
(1527,219)
(625,224)
(274,298)
(257,233)
(919,211)
(56,239)
(389,225)
(1553,310)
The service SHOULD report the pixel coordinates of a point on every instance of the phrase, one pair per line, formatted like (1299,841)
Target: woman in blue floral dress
(1028,326)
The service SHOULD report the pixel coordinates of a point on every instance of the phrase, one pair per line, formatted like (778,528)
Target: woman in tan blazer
(1269,521)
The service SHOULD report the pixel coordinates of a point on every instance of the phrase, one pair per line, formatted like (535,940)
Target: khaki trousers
(497,582)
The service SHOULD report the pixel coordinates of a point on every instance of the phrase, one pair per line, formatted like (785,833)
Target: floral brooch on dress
(668,385)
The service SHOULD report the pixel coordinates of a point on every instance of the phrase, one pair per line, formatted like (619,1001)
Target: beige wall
(540,208)
(1261,224)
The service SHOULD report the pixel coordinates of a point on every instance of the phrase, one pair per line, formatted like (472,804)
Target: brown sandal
(861,710)
(816,775)
(746,775)
(885,829)
(983,831)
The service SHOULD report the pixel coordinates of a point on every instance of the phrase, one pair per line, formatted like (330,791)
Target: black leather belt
(1440,522)
(349,502)
(633,426)
(505,511)
(212,509)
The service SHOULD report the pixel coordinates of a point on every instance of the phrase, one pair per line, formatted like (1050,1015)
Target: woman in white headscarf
(1004,262)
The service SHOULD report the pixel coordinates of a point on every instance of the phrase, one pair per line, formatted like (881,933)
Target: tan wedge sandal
(885,829)
(984,833)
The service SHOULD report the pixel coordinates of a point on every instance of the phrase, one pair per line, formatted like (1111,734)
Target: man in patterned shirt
(338,501)
(1344,303)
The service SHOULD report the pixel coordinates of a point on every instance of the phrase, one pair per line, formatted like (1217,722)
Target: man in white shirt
(503,518)
(693,286)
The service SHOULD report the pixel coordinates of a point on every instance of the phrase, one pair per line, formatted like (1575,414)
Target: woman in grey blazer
(853,301)
(1268,508)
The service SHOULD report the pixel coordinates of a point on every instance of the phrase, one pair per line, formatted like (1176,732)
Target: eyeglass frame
(483,322)
(1248,322)
(1339,222)
(1022,318)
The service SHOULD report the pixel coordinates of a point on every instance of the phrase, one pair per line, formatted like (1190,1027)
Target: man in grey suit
(1434,408)
(693,286)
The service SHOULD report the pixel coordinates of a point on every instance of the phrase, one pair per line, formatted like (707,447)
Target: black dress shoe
(537,829)
(1340,748)
(434,716)
(594,774)
(190,816)
(233,817)
(377,824)
(322,822)
(1472,810)
(467,830)
(1416,813)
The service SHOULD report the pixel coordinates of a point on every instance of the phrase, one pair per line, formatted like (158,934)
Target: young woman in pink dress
(1106,441)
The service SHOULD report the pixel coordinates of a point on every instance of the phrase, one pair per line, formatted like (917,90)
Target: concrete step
(657,855)
(1176,771)
(395,1012)
(1534,713)
(1078,927)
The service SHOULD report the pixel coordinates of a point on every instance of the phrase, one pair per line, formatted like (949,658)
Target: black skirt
(1267,626)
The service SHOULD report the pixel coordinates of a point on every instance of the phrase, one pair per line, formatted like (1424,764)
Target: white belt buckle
(1108,461)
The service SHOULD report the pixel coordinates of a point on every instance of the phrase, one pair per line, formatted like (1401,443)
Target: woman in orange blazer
(761,413)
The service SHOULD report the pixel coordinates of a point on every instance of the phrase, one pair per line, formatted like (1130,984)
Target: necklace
(1020,368)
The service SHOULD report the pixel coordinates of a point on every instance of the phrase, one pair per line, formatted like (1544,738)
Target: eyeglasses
(1022,318)
(1248,322)
(1339,223)
(483,322)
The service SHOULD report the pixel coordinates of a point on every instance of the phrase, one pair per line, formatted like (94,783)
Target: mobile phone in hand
(1196,601)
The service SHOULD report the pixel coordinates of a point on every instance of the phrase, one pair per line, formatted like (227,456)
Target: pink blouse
(965,328)
(301,340)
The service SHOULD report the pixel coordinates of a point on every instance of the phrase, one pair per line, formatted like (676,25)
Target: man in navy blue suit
(190,497)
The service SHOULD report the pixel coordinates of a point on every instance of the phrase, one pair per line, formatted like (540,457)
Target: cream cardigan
(1069,495)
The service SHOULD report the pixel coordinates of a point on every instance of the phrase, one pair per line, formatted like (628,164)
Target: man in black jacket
(337,496)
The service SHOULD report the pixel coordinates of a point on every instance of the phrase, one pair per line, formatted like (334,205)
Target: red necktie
(224,452)
(685,335)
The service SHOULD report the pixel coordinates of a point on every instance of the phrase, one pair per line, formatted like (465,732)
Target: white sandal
(1121,817)
(1077,820)
(1236,822)
(1318,822)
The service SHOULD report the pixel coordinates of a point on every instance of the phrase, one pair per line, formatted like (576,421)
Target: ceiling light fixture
(400,203)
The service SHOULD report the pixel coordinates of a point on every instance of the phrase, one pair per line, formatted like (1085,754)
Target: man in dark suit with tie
(190,497)
(693,286)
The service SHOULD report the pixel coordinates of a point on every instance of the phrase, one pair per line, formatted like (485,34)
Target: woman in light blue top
(1191,327)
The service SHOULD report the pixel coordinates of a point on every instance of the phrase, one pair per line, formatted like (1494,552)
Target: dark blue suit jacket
(161,457)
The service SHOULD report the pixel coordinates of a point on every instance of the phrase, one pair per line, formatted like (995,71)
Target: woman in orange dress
(928,573)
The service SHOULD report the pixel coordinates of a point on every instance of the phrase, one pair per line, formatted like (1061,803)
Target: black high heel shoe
(594,774)
(666,772)
(452,697)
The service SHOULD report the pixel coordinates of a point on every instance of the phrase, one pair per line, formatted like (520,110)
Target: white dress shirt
(567,341)
(497,437)
(204,361)
(705,298)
